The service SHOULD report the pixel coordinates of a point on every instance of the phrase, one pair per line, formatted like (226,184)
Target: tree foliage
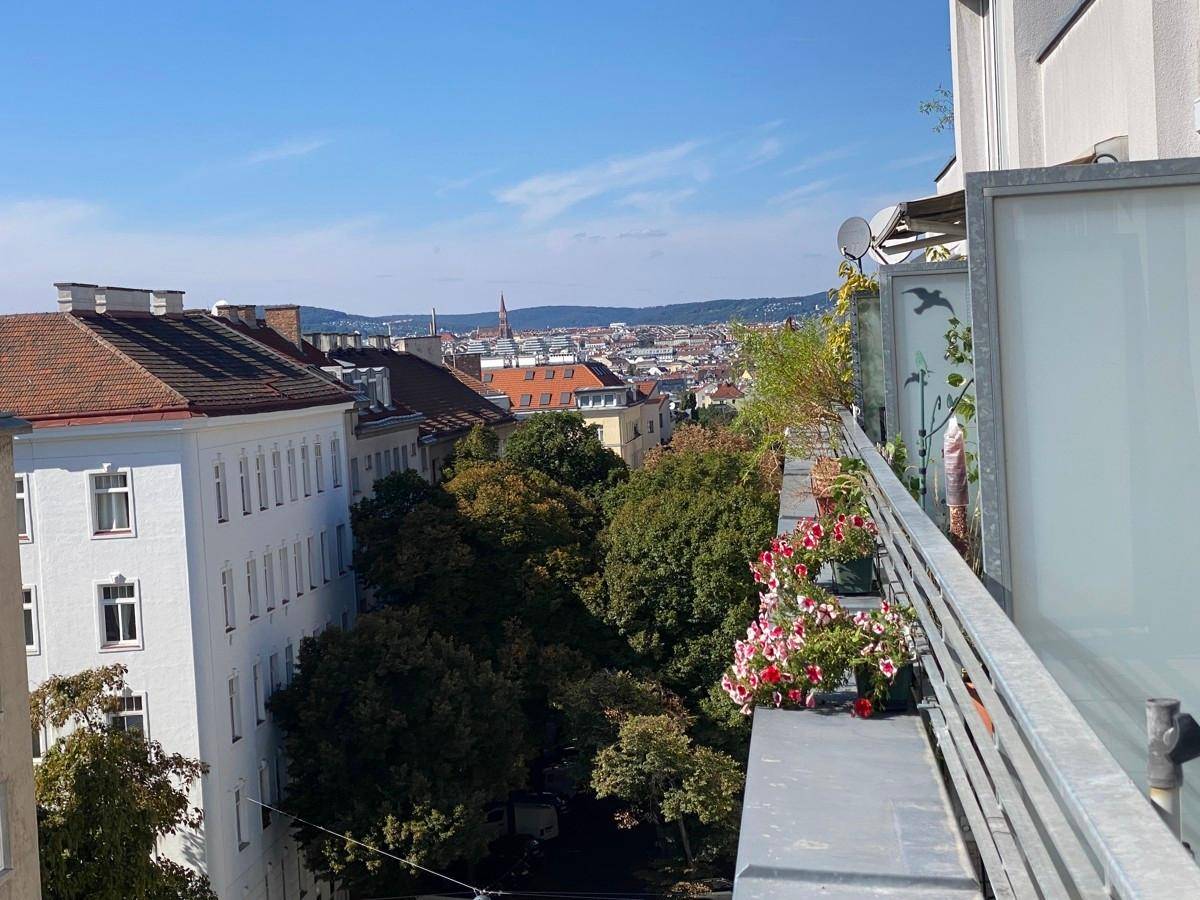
(564,447)
(479,445)
(663,777)
(105,797)
(675,579)
(397,735)
(689,438)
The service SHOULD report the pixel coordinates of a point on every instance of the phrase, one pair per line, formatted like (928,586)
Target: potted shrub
(883,667)
(850,548)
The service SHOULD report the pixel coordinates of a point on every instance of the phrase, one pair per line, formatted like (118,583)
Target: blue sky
(389,157)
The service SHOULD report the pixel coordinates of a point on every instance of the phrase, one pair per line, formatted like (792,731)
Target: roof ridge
(81,324)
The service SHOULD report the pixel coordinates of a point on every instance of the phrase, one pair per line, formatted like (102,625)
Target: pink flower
(766,559)
(861,619)
(811,700)
(809,541)
(887,667)
(813,673)
(777,699)
(838,536)
(769,651)
(863,708)
(746,709)
(795,695)
(878,628)
(817,531)
(808,603)
(857,521)
(798,628)
(842,518)
(757,577)
(801,570)
(787,551)
(884,607)
(769,675)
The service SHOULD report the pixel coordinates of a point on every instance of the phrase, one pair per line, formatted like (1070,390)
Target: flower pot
(900,695)
(854,577)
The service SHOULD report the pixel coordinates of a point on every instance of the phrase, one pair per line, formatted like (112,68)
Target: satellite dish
(879,225)
(854,238)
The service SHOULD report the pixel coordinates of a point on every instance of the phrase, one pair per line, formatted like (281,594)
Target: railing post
(1165,777)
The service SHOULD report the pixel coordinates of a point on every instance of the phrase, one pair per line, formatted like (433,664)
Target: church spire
(503,330)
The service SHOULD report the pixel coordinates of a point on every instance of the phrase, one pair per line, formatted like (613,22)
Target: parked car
(524,817)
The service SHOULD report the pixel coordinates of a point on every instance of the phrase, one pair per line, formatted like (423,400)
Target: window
(118,612)
(367,462)
(277,476)
(335,460)
(237,819)
(222,492)
(23,529)
(568,372)
(260,473)
(549,374)
(324,555)
(252,586)
(289,663)
(227,599)
(272,674)
(283,574)
(319,462)
(269,577)
(395,459)
(650,426)
(37,744)
(244,481)
(544,400)
(525,399)
(110,503)
(354,483)
(487,377)
(340,537)
(404,458)
(306,470)
(260,713)
(130,714)
(298,567)
(312,563)
(387,462)
(660,421)
(378,464)
(291,466)
(266,796)
(529,373)
(280,770)
(235,710)
(29,608)
(565,398)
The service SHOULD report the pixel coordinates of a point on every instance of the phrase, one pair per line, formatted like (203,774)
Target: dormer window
(529,373)
(549,374)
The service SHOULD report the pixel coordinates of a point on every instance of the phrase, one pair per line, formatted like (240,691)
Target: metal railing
(1052,813)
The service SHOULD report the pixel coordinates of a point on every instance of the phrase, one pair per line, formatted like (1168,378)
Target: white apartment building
(20,877)
(184,496)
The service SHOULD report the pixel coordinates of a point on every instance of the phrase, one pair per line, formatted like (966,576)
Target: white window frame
(269,578)
(339,536)
(265,795)
(273,682)
(25,518)
(31,606)
(335,460)
(404,458)
(285,593)
(291,466)
(139,696)
(228,598)
(324,556)
(242,843)
(305,469)
(136,601)
(260,476)
(244,484)
(221,485)
(355,485)
(298,568)
(252,587)
(319,465)
(127,490)
(312,565)
(289,663)
(277,475)
(260,703)
(236,729)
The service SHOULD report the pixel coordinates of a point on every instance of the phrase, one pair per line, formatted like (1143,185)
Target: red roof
(548,387)
(86,368)
(726,392)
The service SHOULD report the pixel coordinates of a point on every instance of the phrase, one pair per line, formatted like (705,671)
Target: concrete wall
(19,875)
(1123,67)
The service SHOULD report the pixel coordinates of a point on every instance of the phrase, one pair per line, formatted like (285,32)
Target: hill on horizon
(537,318)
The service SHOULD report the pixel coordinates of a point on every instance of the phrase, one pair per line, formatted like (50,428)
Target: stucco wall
(21,880)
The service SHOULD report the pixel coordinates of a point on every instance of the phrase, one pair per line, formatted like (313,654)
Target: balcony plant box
(897,699)
(856,576)
(825,470)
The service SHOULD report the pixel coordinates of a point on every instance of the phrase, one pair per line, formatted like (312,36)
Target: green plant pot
(857,577)
(900,695)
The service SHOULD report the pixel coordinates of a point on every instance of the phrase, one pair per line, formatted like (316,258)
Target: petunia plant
(885,646)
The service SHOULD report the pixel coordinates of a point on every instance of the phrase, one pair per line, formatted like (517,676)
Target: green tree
(479,445)
(716,416)
(675,577)
(563,446)
(396,735)
(664,778)
(105,797)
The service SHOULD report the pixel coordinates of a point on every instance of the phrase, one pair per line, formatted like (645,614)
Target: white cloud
(642,234)
(449,185)
(543,197)
(767,150)
(833,154)
(286,150)
(656,203)
(799,193)
(908,162)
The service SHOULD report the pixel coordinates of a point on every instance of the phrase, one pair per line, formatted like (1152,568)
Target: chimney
(469,363)
(166,303)
(223,309)
(286,320)
(247,315)
(119,299)
(75,297)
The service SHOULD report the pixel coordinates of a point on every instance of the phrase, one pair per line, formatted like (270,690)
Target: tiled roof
(306,353)
(449,406)
(549,387)
(727,392)
(72,368)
